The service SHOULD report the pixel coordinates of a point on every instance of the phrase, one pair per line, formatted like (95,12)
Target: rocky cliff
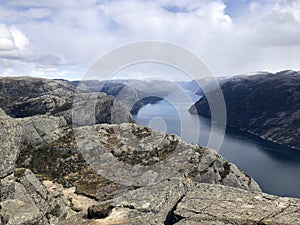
(26,96)
(60,168)
(267,105)
(136,93)
(123,174)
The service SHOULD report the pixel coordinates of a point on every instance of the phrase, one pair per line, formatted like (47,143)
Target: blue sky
(62,39)
(234,8)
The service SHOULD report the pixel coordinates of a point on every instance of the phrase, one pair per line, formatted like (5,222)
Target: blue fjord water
(276,168)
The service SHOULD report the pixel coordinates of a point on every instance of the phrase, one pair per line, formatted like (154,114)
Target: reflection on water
(276,168)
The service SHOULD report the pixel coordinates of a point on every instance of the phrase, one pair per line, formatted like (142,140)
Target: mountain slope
(27,96)
(267,105)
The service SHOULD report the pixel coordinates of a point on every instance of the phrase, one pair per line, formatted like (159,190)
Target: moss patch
(159,153)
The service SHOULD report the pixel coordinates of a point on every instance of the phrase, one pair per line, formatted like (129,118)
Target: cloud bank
(61,39)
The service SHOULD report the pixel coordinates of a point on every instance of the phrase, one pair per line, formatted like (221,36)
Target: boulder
(42,129)
(34,189)
(10,142)
(16,212)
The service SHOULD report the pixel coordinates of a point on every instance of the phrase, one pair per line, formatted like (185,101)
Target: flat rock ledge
(216,204)
(176,202)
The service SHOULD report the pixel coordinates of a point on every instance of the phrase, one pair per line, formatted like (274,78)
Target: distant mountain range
(142,92)
(133,93)
(264,104)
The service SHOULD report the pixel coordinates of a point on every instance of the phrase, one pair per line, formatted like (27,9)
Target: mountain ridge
(265,105)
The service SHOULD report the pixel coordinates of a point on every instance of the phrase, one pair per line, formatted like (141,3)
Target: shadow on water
(275,151)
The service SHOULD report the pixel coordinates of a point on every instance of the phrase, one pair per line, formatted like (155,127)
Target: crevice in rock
(142,210)
(86,195)
(99,211)
(7,175)
(172,217)
(225,172)
(272,215)
(209,166)
(203,209)
(41,136)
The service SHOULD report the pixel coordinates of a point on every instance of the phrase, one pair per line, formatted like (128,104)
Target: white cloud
(15,50)
(45,34)
(11,38)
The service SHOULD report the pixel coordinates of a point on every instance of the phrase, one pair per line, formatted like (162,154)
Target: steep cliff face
(26,96)
(134,93)
(267,105)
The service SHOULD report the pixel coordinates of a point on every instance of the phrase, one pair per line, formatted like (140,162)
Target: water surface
(275,168)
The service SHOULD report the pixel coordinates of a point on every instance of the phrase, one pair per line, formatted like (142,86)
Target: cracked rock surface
(181,202)
(138,156)
(145,177)
(226,205)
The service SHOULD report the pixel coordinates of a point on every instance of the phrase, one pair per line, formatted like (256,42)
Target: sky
(62,39)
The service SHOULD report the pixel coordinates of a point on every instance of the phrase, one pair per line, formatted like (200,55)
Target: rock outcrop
(23,198)
(123,174)
(133,93)
(267,105)
(95,108)
(137,156)
(9,150)
(26,96)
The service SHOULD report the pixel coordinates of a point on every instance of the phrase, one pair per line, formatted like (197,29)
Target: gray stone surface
(180,202)
(137,156)
(15,212)
(150,178)
(10,139)
(35,190)
(26,96)
(23,198)
(216,204)
(42,129)
(7,187)
(32,204)
(96,108)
